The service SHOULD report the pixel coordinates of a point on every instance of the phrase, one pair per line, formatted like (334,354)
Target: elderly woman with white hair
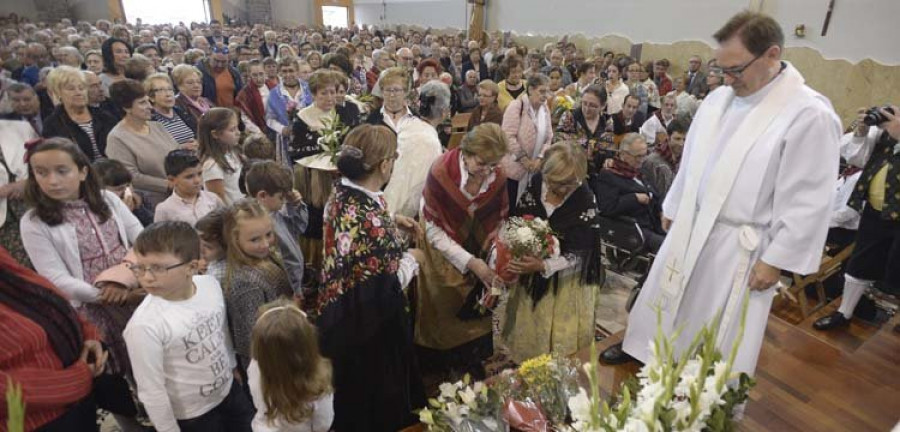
(70,56)
(419,146)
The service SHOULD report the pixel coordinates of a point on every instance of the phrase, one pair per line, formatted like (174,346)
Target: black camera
(874,117)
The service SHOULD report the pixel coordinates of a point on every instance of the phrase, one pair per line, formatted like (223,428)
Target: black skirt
(367,336)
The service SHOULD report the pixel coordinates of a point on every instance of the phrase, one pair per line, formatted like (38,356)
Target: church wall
(292,12)
(423,13)
(20,8)
(89,10)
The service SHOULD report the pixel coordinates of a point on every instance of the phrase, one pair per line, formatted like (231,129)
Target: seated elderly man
(621,192)
(25,106)
(467,94)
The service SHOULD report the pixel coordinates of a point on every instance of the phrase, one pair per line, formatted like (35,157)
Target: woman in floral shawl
(586,125)
(465,200)
(363,323)
(552,307)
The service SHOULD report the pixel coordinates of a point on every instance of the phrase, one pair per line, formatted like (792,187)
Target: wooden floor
(844,380)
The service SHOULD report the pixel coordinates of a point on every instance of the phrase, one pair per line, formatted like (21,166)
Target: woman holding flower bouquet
(318,117)
(551,309)
(586,125)
(315,170)
(464,201)
(363,323)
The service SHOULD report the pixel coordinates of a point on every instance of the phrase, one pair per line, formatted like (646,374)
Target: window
(335,16)
(166,11)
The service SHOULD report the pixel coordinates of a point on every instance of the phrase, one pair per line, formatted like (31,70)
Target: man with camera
(875,258)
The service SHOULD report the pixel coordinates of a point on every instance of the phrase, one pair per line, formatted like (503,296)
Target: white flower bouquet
(331,136)
(520,237)
(696,392)
(462,407)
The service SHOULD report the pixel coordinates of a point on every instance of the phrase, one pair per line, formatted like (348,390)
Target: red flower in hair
(30,144)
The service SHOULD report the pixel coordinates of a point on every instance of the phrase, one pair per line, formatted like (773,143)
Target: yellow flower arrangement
(566,102)
(536,371)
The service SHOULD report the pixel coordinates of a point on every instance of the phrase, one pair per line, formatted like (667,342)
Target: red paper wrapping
(504,257)
(525,416)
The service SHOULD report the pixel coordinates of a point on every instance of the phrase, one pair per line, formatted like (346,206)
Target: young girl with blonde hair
(254,274)
(289,379)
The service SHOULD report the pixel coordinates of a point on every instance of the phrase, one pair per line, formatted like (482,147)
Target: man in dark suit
(621,192)
(696,79)
(216,38)
(269,47)
(26,106)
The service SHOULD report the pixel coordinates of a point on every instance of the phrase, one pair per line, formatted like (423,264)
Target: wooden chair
(460,121)
(832,263)
(455,139)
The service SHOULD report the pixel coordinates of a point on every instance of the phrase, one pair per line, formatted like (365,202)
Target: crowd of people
(268,229)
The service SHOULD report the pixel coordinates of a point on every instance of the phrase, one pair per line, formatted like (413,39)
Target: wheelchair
(622,245)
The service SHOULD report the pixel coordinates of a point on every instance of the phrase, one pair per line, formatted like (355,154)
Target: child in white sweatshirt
(178,339)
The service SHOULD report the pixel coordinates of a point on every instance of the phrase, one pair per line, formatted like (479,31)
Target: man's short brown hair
(268,176)
(757,32)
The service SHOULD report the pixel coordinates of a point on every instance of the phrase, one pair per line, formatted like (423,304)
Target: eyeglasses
(636,156)
(393,90)
(163,90)
(735,72)
(154,270)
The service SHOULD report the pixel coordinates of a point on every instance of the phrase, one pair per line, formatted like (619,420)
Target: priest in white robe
(751,198)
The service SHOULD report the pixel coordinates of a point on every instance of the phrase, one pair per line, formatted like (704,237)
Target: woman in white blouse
(616,90)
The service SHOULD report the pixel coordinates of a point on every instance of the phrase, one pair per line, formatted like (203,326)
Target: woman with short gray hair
(70,56)
(419,146)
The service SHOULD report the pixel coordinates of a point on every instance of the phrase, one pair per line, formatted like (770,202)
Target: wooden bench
(460,122)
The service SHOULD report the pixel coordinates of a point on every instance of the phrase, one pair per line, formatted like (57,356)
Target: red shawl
(623,169)
(459,217)
(250,102)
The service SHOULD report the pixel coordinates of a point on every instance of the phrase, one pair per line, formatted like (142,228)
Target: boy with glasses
(178,339)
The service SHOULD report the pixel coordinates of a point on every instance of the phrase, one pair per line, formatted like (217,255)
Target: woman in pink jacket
(526,123)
